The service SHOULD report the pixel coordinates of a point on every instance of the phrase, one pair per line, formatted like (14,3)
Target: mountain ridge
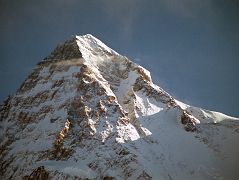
(88,112)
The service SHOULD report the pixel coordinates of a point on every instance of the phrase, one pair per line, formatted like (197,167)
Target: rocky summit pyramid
(87,112)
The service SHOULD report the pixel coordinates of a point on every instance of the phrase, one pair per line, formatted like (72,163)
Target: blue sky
(191,47)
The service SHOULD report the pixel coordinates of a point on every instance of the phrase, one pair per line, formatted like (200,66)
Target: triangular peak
(80,46)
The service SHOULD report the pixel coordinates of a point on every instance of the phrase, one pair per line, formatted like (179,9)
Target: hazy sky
(191,47)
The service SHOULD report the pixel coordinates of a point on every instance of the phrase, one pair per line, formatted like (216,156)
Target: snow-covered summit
(88,44)
(87,112)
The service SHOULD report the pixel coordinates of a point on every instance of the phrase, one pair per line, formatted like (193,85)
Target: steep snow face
(93,50)
(88,112)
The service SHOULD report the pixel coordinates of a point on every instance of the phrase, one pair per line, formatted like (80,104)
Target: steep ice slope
(88,112)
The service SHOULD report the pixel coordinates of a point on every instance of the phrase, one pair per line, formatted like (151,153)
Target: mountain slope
(88,112)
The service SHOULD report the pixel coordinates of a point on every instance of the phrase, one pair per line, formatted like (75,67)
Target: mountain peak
(78,47)
(88,112)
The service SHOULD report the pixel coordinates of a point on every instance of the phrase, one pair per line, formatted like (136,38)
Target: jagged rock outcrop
(86,112)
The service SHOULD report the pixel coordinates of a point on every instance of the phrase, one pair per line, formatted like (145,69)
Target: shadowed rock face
(67,50)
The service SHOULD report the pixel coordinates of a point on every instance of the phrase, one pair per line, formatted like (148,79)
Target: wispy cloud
(187,8)
(124,12)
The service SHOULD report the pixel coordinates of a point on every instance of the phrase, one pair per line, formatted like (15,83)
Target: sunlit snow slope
(87,112)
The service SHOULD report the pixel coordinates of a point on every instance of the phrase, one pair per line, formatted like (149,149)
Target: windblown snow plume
(87,112)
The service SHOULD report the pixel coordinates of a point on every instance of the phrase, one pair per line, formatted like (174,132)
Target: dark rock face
(67,50)
(188,122)
(38,174)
